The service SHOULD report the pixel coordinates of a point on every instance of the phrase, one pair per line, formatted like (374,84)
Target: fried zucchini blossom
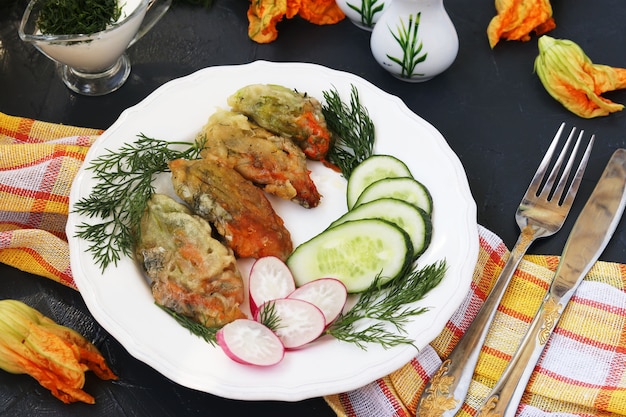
(55,355)
(571,78)
(516,19)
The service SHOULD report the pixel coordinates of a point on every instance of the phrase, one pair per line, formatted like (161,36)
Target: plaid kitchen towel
(582,371)
(38,163)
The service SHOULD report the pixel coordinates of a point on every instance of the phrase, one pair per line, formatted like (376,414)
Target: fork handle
(446,391)
(591,233)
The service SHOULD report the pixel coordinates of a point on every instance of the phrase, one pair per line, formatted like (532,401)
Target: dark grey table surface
(490,107)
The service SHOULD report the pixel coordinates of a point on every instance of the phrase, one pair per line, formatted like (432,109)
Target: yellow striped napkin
(38,163)
(582,371)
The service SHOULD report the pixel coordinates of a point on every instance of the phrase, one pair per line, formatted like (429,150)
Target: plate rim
(302,392)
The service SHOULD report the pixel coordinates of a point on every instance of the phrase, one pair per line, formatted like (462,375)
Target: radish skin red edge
(269,279)
(299,322)
(251,343)
(303,314)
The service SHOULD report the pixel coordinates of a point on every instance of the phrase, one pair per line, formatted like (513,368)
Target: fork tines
(541,185)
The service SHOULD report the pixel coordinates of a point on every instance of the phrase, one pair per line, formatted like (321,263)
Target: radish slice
(269,279)
(299,322)
(250,342)
(327,294)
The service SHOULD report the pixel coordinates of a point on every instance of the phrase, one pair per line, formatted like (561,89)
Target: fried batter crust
(192,273)
(286,112)
(271,162)
(239,211)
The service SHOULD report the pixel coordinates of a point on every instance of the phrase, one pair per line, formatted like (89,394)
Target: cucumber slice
(374,168)
(405,189)
(408,217)
(354,252)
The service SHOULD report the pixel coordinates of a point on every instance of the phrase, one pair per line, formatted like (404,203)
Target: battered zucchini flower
(516,19)
(573,80)
(56,356)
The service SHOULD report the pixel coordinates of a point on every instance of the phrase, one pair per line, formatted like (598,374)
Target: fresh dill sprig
(387,308)
(352,128)
(209,334)
(124,185)
(268,316)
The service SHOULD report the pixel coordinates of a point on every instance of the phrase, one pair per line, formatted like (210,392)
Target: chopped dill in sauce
(74,17)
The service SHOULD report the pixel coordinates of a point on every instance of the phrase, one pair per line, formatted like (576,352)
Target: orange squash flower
(264,15)
(516,19)
(56,356)
(572,79)
(321,12)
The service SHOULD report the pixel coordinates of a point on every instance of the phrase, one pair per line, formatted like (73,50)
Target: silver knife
(591,233)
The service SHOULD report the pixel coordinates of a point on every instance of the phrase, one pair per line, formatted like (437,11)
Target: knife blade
(591,232)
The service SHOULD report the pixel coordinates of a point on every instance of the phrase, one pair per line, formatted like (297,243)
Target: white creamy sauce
(104,49)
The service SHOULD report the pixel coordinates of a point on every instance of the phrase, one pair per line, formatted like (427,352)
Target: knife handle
(505,396)
(591,232)
(444,394)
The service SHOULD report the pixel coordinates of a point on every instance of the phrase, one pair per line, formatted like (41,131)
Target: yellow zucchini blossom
(572,79)
(264,15)
(516,19)
(55,355)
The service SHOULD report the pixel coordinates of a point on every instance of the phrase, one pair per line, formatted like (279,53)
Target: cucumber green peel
(404,188)
(354,252)
(374,168)
(408,217)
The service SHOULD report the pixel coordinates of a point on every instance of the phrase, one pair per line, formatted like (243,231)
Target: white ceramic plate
(120,298)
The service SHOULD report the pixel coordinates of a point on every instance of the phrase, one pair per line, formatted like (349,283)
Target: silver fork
(541,213)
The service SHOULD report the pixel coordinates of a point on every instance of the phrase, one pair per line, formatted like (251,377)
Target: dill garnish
(124,185)
(74,17)
(386,308)
(206,333)
(269,316)
(353,130)
(379,316)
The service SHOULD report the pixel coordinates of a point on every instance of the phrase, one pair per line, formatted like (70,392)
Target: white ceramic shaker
(363,13)
(415,39)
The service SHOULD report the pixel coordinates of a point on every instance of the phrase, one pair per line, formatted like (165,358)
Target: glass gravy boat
(95,64)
